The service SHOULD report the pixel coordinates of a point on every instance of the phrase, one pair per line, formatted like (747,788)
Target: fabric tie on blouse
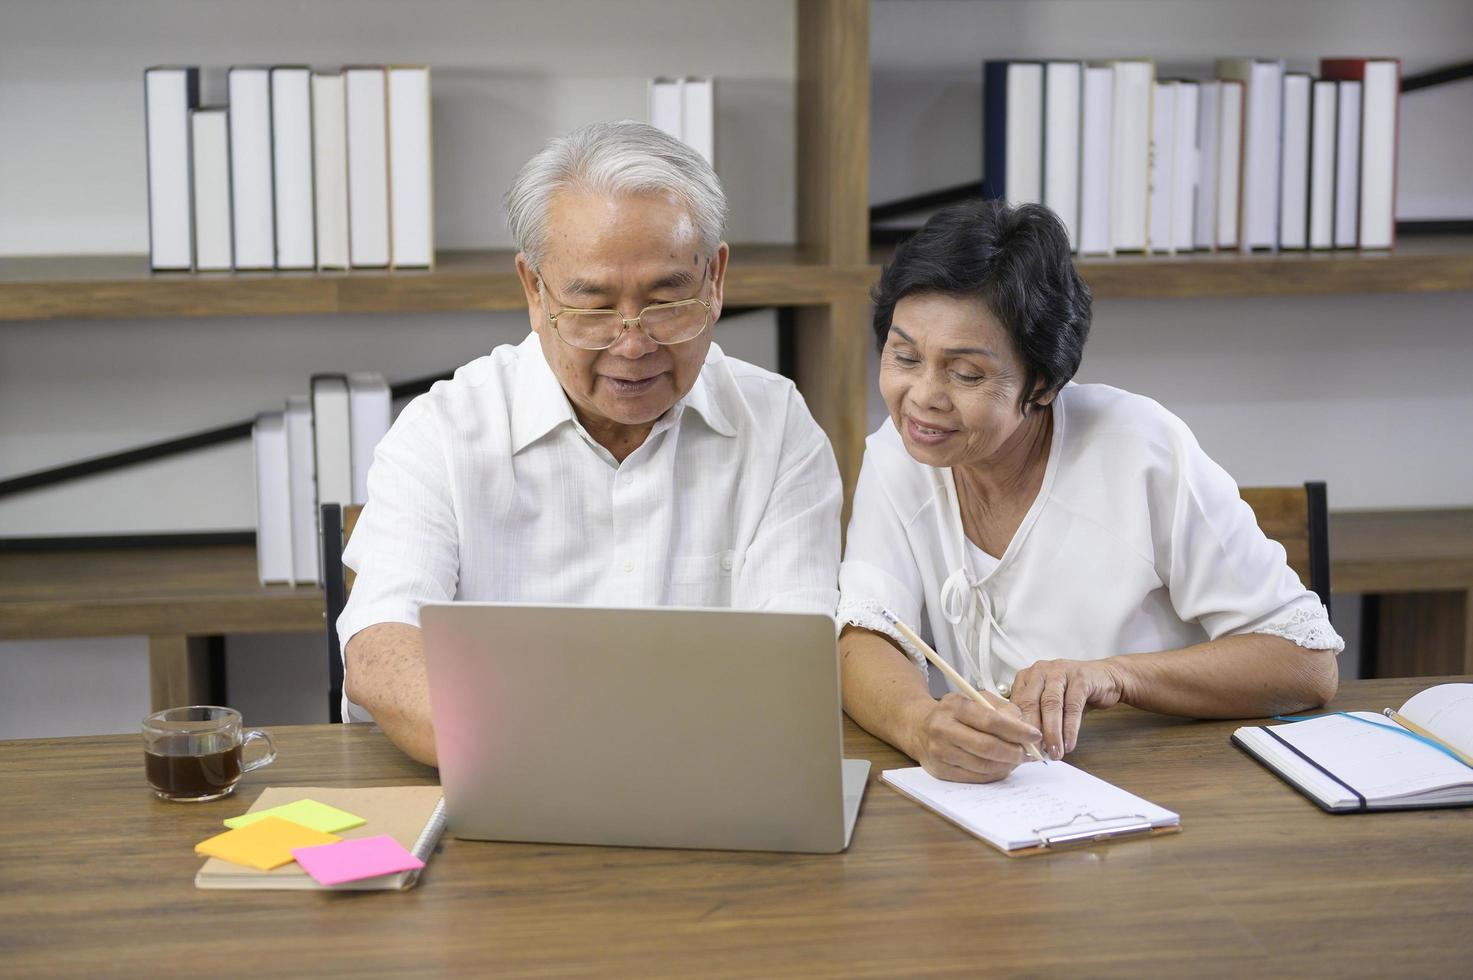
(968,607)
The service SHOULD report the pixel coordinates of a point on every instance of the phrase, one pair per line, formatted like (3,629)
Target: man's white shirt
(488,488)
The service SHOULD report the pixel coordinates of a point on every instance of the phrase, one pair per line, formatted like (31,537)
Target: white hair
(614,158)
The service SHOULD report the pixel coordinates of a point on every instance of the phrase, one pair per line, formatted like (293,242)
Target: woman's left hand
(1052,696)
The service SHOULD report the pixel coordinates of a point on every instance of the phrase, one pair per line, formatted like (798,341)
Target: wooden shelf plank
(1427,263)
(140,591)
(1401,550)
(123,287)
(199,590)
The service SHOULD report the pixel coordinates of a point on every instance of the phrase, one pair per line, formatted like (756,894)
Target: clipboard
(1084,829)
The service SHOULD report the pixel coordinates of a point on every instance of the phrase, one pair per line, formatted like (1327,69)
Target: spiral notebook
(412,815)
(1037,808)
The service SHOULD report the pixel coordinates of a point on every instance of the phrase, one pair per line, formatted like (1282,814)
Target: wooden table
(179,597)
(96,877)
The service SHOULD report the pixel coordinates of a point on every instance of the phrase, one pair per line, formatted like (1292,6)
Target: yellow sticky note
(265,844)
(308,813)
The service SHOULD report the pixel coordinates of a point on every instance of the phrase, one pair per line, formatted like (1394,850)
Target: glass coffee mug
(195,754)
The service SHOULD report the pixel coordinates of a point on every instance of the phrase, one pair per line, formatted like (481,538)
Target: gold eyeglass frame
(627,320)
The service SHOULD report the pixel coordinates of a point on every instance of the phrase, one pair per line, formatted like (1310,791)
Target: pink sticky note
(351,860)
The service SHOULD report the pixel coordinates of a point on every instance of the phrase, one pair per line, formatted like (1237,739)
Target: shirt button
(626,479)
(628,565)
(726,563)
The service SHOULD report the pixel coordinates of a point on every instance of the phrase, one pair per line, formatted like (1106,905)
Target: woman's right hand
(960,740)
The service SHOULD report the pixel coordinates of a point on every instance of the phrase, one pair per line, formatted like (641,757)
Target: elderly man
(615,457)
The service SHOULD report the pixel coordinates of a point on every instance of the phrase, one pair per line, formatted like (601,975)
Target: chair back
(1298,519)
(338,521)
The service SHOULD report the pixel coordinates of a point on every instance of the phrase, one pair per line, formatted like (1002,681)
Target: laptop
(697,728)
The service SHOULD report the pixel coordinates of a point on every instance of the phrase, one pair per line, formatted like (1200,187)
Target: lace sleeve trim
(1308,626)
(869,614)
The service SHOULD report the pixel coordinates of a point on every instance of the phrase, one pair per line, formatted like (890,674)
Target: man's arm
(792,562)
(386,675)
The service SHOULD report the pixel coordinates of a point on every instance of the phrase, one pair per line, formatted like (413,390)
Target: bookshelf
(824,276)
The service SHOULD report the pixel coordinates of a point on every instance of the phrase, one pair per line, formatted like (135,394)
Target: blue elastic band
(1376,724)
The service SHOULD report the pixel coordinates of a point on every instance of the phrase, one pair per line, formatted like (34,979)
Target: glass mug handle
(265,760)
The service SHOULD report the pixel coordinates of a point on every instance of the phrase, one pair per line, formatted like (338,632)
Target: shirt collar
(540,405)
(703,399)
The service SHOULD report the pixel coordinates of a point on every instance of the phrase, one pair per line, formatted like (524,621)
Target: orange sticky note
(265,844)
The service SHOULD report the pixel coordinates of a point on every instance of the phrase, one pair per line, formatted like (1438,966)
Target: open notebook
(1036,807)
(412,815)
(1366,761)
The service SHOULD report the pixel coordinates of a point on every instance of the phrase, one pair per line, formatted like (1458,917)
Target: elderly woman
(1068,546)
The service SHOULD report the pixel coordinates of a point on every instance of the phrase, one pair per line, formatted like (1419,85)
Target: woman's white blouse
(1137,542)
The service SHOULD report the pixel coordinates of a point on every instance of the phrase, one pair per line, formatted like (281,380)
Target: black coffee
(178,765)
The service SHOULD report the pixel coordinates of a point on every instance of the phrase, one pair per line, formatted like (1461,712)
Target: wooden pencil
(951,674)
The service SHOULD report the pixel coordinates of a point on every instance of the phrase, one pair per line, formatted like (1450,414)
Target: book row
(317,451)
(686,109)
(1257,157)
(300,169)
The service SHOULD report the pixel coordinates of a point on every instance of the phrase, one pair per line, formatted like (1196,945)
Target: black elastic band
(1360,799)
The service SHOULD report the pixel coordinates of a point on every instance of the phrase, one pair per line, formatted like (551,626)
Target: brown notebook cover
(412,815)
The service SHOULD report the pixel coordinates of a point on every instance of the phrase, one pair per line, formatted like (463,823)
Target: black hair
(1016,260)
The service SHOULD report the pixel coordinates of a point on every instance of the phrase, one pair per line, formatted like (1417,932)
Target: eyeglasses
(667,324)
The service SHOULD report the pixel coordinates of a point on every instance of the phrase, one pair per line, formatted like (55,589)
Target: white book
(291,152)
(698,116)
(1095,151)
(305,559)
(1347,165)
(369,414)
(1204,223)
(1365,760)
(1130,154)
(332,440)
(253,206)
(168,96)
(1162,160)
(1036,806)
(1184,169)
(330,168)
(1263,101)
(1062,94)
(1229,162)
(1294,172)
(667,106)
(1025,133)
(368,167)
(211,152)
(1322,166)
(411,173)
(1380,96)
(273,498)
